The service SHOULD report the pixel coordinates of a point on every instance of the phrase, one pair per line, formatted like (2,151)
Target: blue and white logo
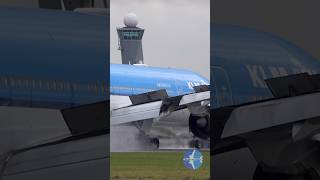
(193,159)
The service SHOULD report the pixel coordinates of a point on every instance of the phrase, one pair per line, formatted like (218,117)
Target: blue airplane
(129,81)
(242,59)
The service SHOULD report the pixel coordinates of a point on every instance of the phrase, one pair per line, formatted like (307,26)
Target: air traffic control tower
(130,40)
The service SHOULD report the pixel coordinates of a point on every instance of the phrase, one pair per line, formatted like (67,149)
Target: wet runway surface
(128,138)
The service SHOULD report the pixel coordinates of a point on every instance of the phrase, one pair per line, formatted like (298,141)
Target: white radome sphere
(131,20)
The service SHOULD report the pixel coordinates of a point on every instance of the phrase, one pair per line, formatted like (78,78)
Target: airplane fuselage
(242,58)
(52,58)
(129,80)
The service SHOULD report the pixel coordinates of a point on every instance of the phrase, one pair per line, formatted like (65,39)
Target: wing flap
(196,97)
(156,109)
(136,113)
(29,126)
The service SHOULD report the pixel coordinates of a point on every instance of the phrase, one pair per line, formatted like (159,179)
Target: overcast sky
(295,21)
(177,32)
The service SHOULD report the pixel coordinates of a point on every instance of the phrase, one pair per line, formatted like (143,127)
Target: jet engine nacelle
(199,126)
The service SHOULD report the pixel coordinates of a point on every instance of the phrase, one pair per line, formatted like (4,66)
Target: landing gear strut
(195,143)
(156,142)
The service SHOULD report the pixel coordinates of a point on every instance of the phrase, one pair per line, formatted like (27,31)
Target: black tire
(156,142)
(195,143)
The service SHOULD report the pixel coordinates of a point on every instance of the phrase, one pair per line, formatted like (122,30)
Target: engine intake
(199,126)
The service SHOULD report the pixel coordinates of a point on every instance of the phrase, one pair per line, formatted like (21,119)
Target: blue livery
(242,58)
(52,58)
(136,79)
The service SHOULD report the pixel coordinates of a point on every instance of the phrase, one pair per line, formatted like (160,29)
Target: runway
(128,138)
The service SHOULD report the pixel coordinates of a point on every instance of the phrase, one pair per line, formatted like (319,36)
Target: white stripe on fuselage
(198,83)
(259,73)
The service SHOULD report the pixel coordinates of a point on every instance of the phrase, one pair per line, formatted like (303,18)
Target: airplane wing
(157,104)
(191,161)
(28,126)
(193,152)
(279,132)
(46,141)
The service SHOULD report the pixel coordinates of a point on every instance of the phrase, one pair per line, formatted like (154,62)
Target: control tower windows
(132,35)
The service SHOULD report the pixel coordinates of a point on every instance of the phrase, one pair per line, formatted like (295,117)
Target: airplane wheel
(261,175)
(156,142)
(195,144)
